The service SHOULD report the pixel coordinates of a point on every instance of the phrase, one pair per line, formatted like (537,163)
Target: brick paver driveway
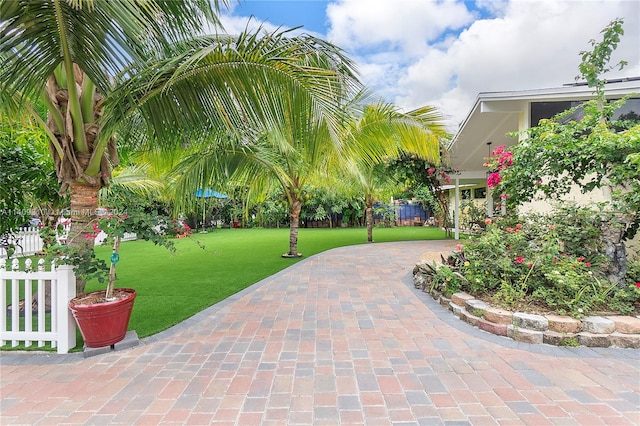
(339,338)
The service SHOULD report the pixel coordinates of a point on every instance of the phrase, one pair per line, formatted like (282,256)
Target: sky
(443,53)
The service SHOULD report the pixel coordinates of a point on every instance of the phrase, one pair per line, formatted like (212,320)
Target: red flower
(638,285)
(520,259)
(519,226)
(498,150)
(505,160)
(587,264)
(493,180)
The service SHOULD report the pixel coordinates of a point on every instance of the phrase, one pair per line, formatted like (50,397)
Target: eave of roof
(571,91)
(494,114)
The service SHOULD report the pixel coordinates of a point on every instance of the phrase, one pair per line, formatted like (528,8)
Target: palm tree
(382,128)
(299,138)
(99,65)
(286,156)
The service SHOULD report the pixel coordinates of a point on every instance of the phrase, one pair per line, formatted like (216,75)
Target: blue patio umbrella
(207,193)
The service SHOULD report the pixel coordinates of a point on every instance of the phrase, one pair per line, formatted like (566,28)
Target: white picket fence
(28,241)
(26,325)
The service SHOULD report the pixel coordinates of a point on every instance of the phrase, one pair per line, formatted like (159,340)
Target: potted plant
(103,316)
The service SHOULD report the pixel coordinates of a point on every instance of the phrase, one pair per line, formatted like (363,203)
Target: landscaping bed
(621,331)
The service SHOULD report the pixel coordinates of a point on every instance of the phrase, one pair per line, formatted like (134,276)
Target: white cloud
(406,25)
(234,24)
(527,45)
(443,53)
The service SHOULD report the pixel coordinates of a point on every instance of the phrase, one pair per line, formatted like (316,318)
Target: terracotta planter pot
(103,323)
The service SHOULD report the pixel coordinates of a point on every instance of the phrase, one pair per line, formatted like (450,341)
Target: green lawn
(174,286)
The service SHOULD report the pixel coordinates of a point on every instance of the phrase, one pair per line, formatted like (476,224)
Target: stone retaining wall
(593,331)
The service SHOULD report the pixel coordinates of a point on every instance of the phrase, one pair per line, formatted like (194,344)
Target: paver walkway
(339,338)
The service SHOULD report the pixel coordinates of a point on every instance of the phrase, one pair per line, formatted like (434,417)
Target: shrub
(447,280)
(550,261)
(179,229)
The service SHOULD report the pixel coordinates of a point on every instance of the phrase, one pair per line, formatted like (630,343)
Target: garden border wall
(593,331)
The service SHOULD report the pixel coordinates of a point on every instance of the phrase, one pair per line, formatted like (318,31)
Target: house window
(480,193)
(465,194)
(541,110)
(629,111)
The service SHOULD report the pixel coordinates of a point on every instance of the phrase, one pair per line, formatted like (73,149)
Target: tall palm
(286,156)
(382,128)
(100,64)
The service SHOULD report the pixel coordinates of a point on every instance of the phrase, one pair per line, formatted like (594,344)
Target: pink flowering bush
(440,175)
(180,229)
(493,179)
(499,159)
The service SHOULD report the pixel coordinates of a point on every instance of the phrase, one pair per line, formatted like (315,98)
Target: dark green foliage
(422,180)
(26,175)
(325,204)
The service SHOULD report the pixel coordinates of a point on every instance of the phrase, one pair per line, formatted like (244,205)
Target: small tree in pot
(103,316)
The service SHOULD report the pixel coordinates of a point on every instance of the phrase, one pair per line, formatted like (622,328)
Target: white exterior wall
(575,195)
(633,247)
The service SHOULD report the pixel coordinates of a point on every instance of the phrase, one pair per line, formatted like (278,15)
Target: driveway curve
(341,337)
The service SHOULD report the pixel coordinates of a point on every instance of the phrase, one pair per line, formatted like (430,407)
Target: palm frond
(382,131)
(102,37)
(135,178)
(242,83)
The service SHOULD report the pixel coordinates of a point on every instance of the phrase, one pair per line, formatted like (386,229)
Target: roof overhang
(495,114)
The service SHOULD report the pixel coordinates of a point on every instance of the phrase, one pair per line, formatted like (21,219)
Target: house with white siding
(496,114)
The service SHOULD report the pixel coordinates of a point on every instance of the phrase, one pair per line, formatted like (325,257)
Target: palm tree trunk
(612,233)
(369,221)
(84,203)
(294,221)
(73,107)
